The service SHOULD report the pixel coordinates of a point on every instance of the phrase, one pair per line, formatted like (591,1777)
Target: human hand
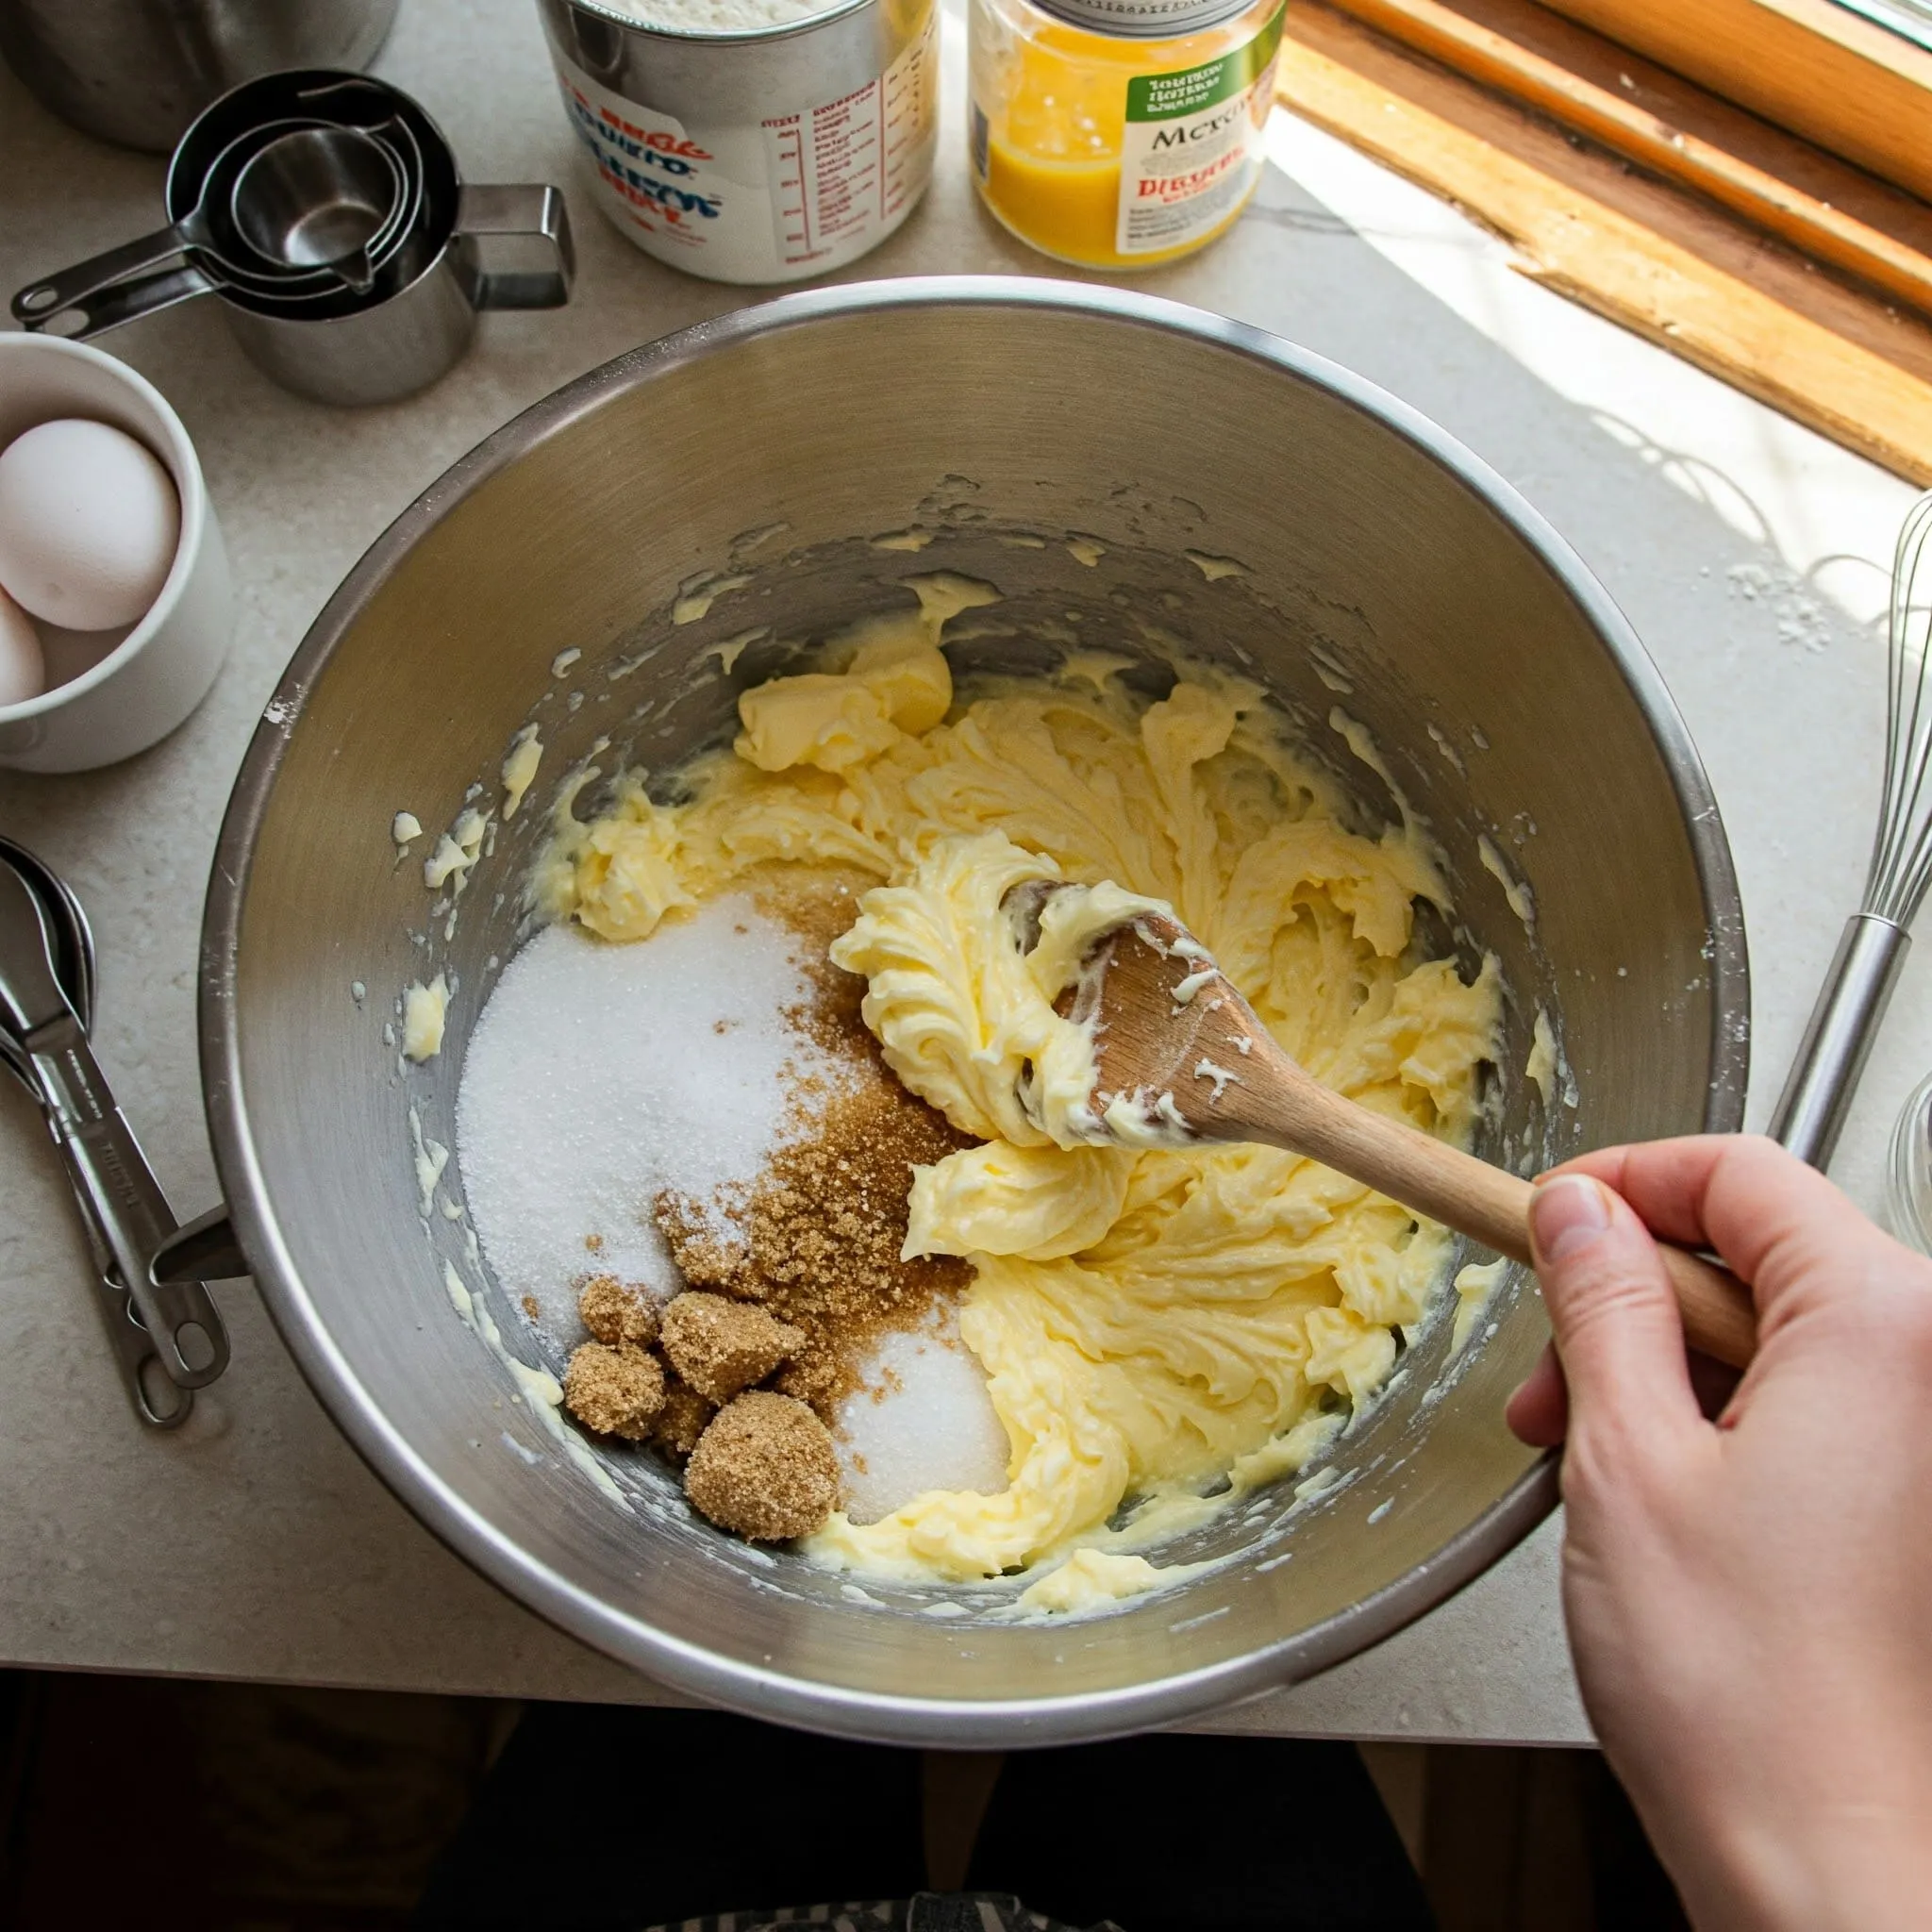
(1749,1599)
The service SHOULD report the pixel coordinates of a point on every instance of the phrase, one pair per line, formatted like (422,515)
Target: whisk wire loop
(1901,851)
(1810,1111)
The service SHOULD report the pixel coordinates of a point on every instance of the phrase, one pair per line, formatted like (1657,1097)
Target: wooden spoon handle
(1463,1193)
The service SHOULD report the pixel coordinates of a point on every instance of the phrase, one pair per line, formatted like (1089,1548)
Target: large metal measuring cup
(388,347)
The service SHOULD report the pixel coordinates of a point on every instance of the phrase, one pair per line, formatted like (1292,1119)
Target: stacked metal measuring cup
(326,213)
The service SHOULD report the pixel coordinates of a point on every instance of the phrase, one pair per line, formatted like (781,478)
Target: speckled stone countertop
(1748,553)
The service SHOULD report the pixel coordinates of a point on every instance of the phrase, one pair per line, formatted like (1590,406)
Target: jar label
(771,200)
(1193,145)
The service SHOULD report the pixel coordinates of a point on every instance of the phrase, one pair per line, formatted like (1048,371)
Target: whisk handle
(1838,1037)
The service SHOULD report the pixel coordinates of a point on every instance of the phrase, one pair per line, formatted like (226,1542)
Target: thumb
(1617,1332)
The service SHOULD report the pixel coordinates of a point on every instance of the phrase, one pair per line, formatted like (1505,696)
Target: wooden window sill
(1782,269)
(1822,70)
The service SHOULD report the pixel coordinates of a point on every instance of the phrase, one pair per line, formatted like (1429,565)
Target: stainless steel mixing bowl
(1387,572)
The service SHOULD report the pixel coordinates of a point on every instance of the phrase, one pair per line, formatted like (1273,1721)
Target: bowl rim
(769,1693)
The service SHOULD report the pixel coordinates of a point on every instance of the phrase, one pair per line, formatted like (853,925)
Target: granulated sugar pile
(921,1420)
(600,1076)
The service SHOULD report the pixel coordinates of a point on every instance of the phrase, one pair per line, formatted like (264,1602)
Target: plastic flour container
(752,140)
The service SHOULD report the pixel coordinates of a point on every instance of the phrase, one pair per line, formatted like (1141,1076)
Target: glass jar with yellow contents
(1120,133)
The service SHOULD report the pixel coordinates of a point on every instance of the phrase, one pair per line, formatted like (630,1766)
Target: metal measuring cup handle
(37,304)
(160,1401)
(108,305)
(522,210)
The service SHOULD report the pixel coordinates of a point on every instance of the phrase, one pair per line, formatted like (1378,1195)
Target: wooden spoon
(1171,1026)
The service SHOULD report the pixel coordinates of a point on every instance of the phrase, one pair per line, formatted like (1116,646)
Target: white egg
(23,664)
(88,523)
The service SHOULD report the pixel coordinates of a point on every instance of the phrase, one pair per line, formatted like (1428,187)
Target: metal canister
(763,154)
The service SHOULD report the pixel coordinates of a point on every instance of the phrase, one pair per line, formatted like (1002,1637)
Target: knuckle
(1615,1466)
(1602,1466)
(1605,1290)
(1757,1156)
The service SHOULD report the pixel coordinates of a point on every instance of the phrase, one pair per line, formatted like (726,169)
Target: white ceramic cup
(153,676)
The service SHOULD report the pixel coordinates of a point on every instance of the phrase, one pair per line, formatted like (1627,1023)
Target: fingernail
(1566,1214)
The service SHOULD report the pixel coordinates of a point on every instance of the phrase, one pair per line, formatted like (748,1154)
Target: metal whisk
(1811,1110)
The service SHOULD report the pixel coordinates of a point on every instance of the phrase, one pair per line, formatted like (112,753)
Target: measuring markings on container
(845,168)
(769,200)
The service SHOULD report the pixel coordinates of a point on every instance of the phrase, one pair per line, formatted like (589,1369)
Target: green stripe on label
(1168,97)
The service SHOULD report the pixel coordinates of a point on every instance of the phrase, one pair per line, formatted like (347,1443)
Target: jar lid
(1144,18)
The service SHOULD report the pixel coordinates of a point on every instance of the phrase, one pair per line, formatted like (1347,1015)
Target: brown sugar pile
(682,1420)
(793,1280)
(762,1465)
(615,1391)
(721,1346)
(818,1243)
(614,1312)
(765,1468)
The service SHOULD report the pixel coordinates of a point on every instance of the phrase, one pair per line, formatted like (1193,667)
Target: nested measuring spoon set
(150,1270)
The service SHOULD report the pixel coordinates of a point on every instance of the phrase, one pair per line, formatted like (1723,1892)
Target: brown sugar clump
(614,1312)
(709,1249)
(764,1469)
(721,1346)
(614,1391)
(814,1376)
(681,1421)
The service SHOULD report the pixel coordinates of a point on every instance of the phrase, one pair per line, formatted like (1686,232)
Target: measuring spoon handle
(111,1174)
(158,1400)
